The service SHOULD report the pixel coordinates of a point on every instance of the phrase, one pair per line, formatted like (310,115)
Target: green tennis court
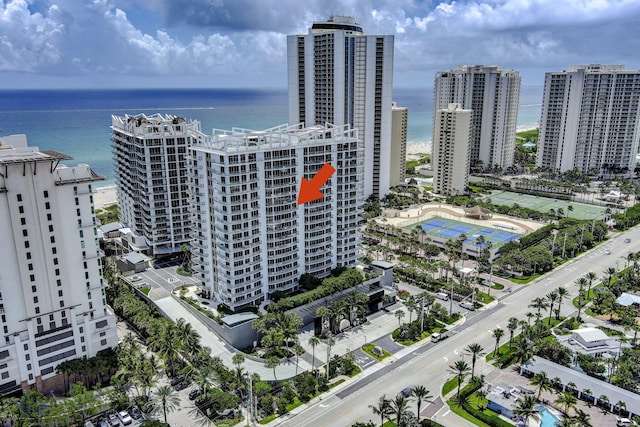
(544,204)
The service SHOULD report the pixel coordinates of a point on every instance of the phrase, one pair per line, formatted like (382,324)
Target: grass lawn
(291,406)
(145,291)
(457,409)
(268,419)
(368,348)
(449,385)
(332,385)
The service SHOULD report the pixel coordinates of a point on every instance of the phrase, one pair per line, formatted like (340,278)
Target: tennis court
(451,229)
(544,204)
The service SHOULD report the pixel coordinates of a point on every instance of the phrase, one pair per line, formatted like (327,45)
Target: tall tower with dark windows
(339,75)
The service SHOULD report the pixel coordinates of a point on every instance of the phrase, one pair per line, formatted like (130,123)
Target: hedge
(492,420)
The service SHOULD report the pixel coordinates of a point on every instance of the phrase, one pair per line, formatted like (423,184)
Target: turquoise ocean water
(76,122)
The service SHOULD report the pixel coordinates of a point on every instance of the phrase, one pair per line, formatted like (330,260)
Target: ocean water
(76,122)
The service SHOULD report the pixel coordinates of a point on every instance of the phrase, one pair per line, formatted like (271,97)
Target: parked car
(194,393)
(125,418)
(467,305)
(103,423)
(136,413)
(135,278)
(181,386)
(442,296)
(176,380)
(622,422)
(113,420)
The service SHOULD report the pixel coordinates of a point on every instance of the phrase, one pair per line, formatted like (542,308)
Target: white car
(125,418)
(135,278)
(467,305)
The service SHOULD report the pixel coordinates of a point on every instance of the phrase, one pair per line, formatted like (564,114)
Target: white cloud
(245,40)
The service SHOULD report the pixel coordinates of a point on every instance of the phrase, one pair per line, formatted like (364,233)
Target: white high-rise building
(451,150)
(151,171)
(52,294)
(339,75)
(250,237)
(494,96)
(399,121)
(590,120)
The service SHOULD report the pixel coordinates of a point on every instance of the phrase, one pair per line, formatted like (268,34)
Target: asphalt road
(429,364)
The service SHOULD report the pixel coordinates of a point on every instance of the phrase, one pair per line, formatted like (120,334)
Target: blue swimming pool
(547,419)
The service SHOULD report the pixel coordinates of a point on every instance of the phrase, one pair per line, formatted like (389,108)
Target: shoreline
(105,196)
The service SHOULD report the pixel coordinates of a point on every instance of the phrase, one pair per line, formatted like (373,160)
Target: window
(52,325)
(60,295)
(59,282)
(30,267)
(81,234)
(28,255)
(26,245)
(27,356)
(49,217)
(54,250)
(57,271)
(35,300)
(61,303)
(30,377)
(28,366)
(26,346)
(19,197)
(37,310)
(103,342)
(47,205)
(23,221)
(55,261)
(46,194)
(53,239)
(32,277)
(25,233)
(50,228)
(5,375)
(33,289)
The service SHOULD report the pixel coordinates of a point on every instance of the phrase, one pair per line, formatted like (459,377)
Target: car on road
(113,420)
(406,391)
(468,305)
(627,240)
(607,252)
(437,337)
(125,418)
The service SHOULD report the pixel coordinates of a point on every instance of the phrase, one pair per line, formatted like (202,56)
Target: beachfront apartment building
(494,96)
(337,74)
(590,120)
(150,166)
(398,155)
(451,149)
(250,237)
(52,294)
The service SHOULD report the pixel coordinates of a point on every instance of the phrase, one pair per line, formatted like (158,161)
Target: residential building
(250,237)
(52,294)
(494,96)
(339,75)
(451,150)
(398,157)
(151,171)
(590,120)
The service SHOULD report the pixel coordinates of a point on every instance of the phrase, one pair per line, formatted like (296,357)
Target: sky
(242,43)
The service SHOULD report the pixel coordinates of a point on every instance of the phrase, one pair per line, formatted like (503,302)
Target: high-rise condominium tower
(590,120)
(494,96)
(250,237)
(151,170)
(52,302)
(398,156)
(339,75)
(451,150)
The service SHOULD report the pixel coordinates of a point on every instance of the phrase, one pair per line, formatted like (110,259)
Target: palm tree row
(398,407)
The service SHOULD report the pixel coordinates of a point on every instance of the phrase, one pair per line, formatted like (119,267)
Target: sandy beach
(105,196)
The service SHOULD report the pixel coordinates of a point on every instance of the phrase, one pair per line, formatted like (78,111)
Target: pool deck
(415,215)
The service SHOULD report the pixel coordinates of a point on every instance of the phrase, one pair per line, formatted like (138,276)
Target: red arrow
(310,190)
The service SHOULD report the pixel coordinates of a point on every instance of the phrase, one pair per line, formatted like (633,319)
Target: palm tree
(567,400)
(272,362)
(298,350)
(421,394)
(590,276)
(167,398)
(383,408)
(475,350)
(329,342)
(610,273)
(399,406)
(399,315)
(526,408)
(582,418)
(313,342)
(552,298)
(512,326)
(604,399)
(539,303)
(188,336)
(620,405)
(238,359)
(460,369)
(562,294)
(497,334)
(542,382)
(323,313)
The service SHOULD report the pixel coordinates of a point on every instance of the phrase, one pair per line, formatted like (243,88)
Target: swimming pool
(547,419)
